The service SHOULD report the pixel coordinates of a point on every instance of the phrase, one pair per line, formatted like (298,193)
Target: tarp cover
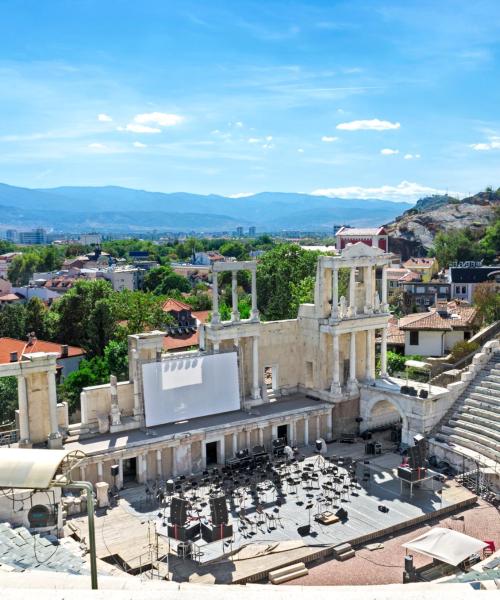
(446,545)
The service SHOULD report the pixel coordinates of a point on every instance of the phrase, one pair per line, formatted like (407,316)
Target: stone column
(216,346)
(55,438)
(222,450)
(368,291)
(22,399)
(335,388)
(329,425)
(383,353)
(159,469)
(261,436)
(335,294)
(293,432)
(100,474)
(235,315)
(174,462)
(215,299)
(115,410)
(203,454)
(82,473)
(235,444)
(384,307)
(318,426)
(353,382)
(248,438)
(352,292)
(369,367)
(119,483)
(255,369)
(255,310)
(306,431)
(137,386)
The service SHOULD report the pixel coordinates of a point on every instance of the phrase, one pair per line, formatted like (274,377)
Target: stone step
(482,412)
(484,398)
(492,378)
(479,426)
(288,573)
(472,445)
(465,434)
(487,391)
(482,405)
(495,371)
(490,384)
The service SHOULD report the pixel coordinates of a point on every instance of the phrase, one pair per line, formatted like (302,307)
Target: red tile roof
(460,316)
(9,298)
(419,262)
(361,231)
(8,345)
(180,342)
(177,305)
(201,315)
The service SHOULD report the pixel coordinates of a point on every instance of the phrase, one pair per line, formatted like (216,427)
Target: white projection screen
(186,388)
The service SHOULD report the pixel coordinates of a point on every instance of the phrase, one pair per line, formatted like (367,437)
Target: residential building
(67,361)
(425,267)
(124,278)
(5,286)
(184,333)
(434,333)
(371,236)
(207,258)
(252,231)
(5,260)
(36,236)
(464,280)
(239,232)
(397,276)
(10,298)
(26,292)
(89,239)
(419,296)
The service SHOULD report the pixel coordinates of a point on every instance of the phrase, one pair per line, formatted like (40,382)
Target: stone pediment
(360,250)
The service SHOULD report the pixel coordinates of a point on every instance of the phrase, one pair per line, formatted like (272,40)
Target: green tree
(162,280)
(13,321)
(36,316)
(280,269)
(101,326)
(487,301)
(454,246)
(236,249)
(22,268)
(90,372)
(116,357)
(138,311)
(8,399)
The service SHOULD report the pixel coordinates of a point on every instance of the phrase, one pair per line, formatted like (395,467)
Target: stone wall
(96,400)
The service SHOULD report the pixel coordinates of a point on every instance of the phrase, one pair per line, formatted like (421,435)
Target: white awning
(446,545)
(29,469)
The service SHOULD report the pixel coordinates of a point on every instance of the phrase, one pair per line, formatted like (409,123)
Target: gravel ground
(386,565)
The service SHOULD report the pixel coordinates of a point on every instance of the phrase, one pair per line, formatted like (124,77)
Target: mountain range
(118,209)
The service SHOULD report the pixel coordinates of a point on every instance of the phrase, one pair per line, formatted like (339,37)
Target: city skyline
(348,100)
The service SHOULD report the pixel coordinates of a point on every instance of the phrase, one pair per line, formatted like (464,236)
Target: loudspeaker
(304,530)
(218,510)
(341,514)
(170,487)
(213,533)
(182,533)
(178,511)
(115,470)
(409,563)
(383,508)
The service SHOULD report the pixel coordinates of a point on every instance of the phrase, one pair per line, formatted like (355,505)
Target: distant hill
(122,209)
(414,231)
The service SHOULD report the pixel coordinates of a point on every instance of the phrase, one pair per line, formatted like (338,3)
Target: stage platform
(251,555)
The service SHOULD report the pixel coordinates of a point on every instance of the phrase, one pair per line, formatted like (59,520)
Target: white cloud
(406,190)
(269,138)
(254,140)
(136,128)
(370,124)
(97,146)
(238,124)
(411,156)
(139,145)
(493,144)
(329,138)
(104,118)
(300,150)
(267,146)
(389,151)
(241,195)
(159,119)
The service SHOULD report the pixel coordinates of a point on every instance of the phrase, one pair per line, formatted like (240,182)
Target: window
(464,289)
(413,338)
(466,335)
(457,289)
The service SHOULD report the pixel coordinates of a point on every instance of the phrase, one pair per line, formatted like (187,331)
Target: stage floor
(265,547)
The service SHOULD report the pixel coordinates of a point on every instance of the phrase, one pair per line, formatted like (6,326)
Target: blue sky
(388,99)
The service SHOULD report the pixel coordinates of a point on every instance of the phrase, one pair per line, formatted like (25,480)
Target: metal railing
(8,434)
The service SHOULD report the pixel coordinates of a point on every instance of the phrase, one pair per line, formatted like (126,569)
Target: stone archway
(382,409)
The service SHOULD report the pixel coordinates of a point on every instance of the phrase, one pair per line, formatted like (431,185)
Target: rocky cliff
(412,233)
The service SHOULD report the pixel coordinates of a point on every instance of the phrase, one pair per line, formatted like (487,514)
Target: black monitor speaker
(218,510)
(178,511)
(115,469)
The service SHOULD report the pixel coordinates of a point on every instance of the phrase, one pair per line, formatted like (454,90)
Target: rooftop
(8,345)
(361,231)
(458,315)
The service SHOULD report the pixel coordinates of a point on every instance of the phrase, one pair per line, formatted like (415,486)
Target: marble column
(384,307)
(335,388)
(216,346)
(329,433)
(368,290)
(352,384)
(255,310)
(222,450)
(55,438)
(235,315)
(293,432)
(215,299)
(248,438)
(352,292)
(119,483)
(335,294)
(306,431)
(100,471)
(255,369)
(261,436)
(22,398)
(115,409)
(159,467)
(235,444)
(318,426)
(82,473)
(174,461)
(383,353)
(369,367)
(203,454)
(137,386)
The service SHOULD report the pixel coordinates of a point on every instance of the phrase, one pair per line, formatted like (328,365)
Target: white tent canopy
(446,545)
